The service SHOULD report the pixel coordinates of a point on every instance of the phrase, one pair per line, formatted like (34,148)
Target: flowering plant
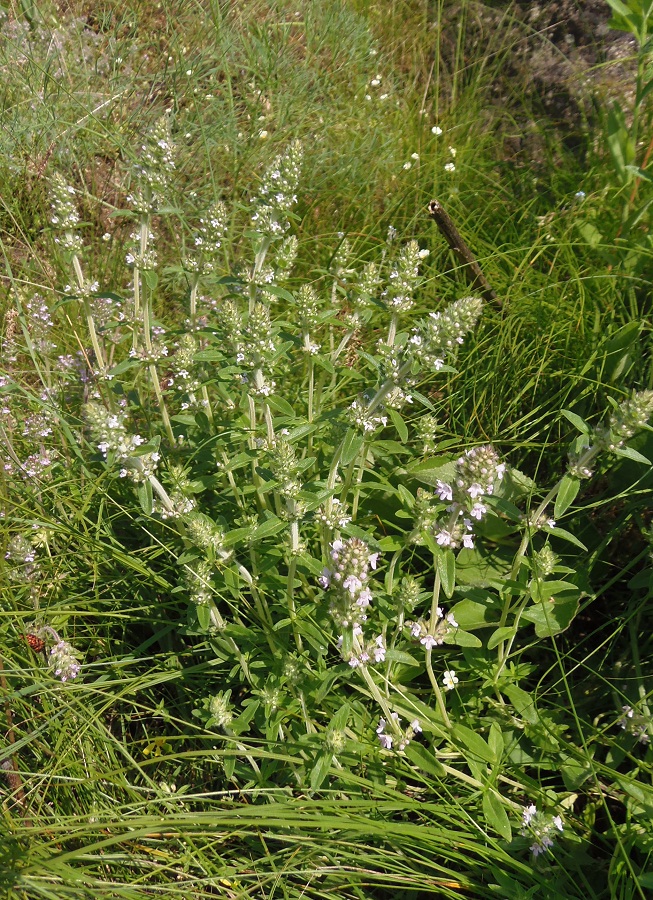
(276,459)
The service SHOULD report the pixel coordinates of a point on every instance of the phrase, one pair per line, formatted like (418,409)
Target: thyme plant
(349,575)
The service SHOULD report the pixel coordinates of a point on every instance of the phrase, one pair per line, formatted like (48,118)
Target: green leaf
(566,536)
(545,590)
(552,616)
(567,493)
(203,616)
(145,497)
(399,424)
(471,615)
(522,701)
(271,526)
(575,774)
(424,759)
(576,421)
(629,453)
(474,743)
(460,638)
(340,719)
(351,446)
(496,815)
(500,634)
(280,405)
(446,566)
(495,741)
(151,278)
(320,770)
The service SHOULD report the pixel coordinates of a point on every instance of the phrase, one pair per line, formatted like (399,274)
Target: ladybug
(36,643)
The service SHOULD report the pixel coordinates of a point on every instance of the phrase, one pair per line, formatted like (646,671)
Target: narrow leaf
(568,492)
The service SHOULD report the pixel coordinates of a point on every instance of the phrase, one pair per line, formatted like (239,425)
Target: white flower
(450,679)
(429,641)
(444,490)
(436,130)
(449,167)
(528,813)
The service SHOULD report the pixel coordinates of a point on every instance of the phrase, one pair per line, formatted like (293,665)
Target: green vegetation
(323,576)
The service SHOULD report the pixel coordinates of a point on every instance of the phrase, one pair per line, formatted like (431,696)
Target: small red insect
(36,643)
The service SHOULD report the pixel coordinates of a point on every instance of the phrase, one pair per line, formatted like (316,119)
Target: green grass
(119,791)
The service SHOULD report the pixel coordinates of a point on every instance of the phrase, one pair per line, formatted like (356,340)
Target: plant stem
(439,699)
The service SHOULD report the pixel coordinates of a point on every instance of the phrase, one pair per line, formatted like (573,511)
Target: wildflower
(61,660)
(635,723)
(440,334)
(400,736)
(404,278)
(541,826)
(110,432)
(449,167)
(445,626)
(209,240)
(154,168)
(347,581)
(221,710)
(450,679)
(436,130)
(278,192)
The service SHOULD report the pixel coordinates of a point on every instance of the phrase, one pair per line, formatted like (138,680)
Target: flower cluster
(39,323)
(404,278)
(253,344)
(477,473)
(308,315)
(65,216)
(364,292)
(359,415)
(154,169)
(198,582)
(365,653)
(284,465)
(635,723)
(438,336)
(334,514)
(109,431)
(278,193)
(541,826)
(21,555)
(142,255)
(62,661)
(433,637)
(221,710)
(347,581)
(627,419)
(208,240)
(396,735)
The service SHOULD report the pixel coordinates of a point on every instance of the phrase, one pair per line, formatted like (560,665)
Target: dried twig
(471,269)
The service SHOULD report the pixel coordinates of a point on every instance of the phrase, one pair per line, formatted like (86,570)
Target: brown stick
(471,269)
